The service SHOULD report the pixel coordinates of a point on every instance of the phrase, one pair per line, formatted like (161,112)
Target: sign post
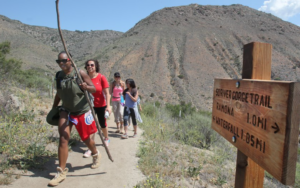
(257,59)
(259,117)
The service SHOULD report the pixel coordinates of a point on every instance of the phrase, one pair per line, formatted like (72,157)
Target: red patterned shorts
(84,124)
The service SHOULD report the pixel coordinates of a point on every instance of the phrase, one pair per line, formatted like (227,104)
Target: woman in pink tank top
(116,89)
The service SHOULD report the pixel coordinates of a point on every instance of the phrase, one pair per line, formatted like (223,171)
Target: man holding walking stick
(75,110)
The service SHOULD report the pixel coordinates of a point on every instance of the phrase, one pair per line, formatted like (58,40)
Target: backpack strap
(58,86)
(113,84)
(90,96)
(78,80)
(56,75)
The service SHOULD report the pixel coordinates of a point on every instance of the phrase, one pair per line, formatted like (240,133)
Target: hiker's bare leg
(105,132)
(135,129)
(90,143)
(121,125)
(118,125)
(125,129)
(92,136)
(64,130)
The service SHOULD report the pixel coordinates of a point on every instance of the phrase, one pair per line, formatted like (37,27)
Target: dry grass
(24,135)
(179,165)
(172,163)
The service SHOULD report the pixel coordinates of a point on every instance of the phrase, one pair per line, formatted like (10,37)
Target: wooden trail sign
(256,117)
(259,117)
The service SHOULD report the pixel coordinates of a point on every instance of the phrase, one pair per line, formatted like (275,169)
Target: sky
(122,15)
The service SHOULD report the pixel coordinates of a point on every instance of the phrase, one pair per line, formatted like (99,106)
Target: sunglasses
(90,65)
(117,76)
(62,60)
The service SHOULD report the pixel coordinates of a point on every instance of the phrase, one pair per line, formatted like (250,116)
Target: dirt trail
(123,172)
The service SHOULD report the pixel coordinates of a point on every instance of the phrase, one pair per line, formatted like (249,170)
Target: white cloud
(284,9)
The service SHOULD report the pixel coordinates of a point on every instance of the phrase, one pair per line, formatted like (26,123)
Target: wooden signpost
(260,117)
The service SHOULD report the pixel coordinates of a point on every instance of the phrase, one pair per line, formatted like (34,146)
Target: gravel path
(123,172)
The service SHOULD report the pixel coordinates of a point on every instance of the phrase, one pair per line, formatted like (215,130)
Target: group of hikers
(75,109)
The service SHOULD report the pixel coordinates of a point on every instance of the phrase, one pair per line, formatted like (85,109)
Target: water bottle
(122,100)
(106,115)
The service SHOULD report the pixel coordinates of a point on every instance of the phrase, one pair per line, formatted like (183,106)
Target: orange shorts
(84,124)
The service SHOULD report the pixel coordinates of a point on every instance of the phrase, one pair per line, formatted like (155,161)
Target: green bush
(157,104)
(149,110)
(4,48)
(11,71)
(32,79)
(23,139)
(164,149)
(195,130)
(9,67)
(156,181)
(24,145)
(184,108)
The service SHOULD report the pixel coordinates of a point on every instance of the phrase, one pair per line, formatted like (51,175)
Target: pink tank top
(116,93)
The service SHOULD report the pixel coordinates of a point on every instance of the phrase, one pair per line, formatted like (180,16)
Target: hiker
(116,90)
(131,96)
(101,98)
(140,109)
(75,110)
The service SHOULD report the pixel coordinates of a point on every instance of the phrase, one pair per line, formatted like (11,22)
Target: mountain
(38,46)
(174,54)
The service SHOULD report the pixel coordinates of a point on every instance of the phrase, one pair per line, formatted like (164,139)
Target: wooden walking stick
(85,92)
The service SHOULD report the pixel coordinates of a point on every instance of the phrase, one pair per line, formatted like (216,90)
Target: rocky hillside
(38,46)
(175,53)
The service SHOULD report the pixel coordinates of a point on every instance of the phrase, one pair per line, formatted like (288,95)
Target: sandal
(117,131)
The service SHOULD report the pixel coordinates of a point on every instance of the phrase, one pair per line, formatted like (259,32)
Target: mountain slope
(38,46)
(175,53)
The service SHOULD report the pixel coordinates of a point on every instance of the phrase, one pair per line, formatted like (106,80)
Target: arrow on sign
(276,127)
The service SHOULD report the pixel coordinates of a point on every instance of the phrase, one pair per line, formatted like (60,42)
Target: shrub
(157,104)
(24,145)
(161,151)
(149,110)
(184,108)
(11,71)
(156,181)
(195,130)
(180,76)
(32,79)
(9,66)
(4,47)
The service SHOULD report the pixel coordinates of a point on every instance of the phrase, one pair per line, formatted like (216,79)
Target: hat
(53,116)
(117,74)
